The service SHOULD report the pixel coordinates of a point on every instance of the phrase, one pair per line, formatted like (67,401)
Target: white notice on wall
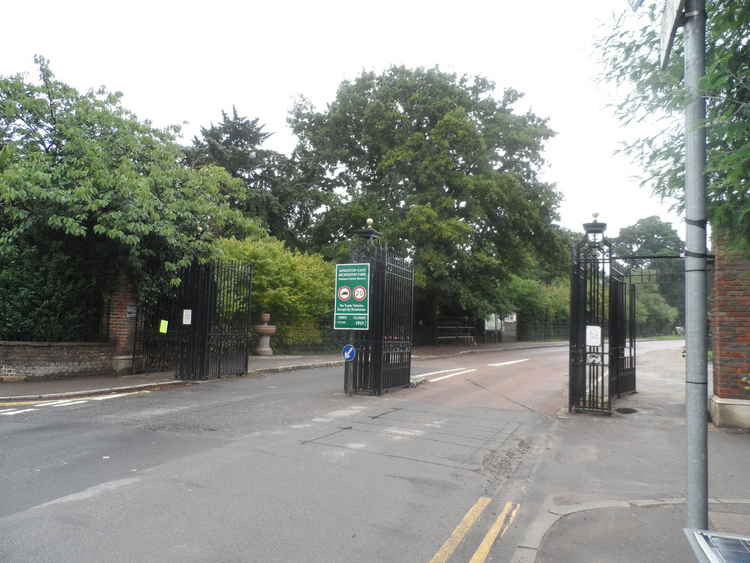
(187,316)
(593,335)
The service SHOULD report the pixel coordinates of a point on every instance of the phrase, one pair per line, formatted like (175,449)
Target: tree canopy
(631,54)
(82,172)
(273,191)
(651,236)
(448,172)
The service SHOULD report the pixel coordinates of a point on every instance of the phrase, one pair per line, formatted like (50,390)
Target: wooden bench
(454,333)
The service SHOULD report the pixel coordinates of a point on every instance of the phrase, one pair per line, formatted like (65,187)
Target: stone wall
(52,360)
(730,320)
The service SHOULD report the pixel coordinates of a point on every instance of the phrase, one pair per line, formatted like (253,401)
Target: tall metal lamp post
(692,14)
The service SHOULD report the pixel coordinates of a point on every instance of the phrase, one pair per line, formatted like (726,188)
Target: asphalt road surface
(285,467)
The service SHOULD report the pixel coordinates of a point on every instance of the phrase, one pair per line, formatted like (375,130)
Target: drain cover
(626,410)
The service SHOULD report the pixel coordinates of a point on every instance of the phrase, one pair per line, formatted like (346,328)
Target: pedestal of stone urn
(264,332)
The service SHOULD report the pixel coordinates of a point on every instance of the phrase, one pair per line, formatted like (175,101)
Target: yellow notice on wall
(163,327)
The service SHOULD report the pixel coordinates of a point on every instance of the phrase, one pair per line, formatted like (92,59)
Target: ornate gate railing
(383,359)
(602,326)
(201,329)
(622,331)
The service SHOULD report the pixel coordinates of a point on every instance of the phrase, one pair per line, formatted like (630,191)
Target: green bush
(538,301)
(296,288)
(44,296)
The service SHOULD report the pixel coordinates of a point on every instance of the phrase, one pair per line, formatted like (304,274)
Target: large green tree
(651,237)
(448,172)
(83,178)
(273,191)
(653,314)
(631,53)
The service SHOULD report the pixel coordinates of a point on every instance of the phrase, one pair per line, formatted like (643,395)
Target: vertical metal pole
(348,386)
(695,267)
(573,328)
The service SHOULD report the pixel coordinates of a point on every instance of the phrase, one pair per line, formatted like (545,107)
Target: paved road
(285,467)
(276,468)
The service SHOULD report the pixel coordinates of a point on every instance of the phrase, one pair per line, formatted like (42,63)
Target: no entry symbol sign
(345,293)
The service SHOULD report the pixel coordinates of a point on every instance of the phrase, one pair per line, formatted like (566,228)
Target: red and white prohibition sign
(345,293)
(360,293)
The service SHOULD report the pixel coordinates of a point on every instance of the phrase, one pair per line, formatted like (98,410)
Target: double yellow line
(498,528)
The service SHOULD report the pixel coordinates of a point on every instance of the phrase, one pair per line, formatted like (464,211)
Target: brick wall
(730,320)
(51,360)
(121,317)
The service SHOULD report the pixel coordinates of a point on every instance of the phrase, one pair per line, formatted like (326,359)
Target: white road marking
(53,403)
(68,403)
(344,412)
(436,372)
(12,412)
(452,375)
(113,396)
(90,492)
(84,400)
(508,363)
(96,398)
(403,432)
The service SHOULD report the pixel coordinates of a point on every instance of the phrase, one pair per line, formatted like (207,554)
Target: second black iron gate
(383,359)
(201,328)
(602,327)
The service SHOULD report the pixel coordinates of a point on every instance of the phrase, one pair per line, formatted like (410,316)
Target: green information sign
(352,310)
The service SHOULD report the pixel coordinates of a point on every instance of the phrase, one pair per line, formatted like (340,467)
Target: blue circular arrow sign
(350,352)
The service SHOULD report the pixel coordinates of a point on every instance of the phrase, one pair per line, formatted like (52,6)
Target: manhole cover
(626,410)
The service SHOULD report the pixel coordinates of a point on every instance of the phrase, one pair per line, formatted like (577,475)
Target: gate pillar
(383,359)
(602,325)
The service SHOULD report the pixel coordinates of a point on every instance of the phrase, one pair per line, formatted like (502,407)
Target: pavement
(615,486)
(610,531)
(19,391)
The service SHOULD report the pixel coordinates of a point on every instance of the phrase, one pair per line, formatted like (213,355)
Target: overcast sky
(185,61)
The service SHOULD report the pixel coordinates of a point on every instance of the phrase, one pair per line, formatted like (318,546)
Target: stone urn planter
(264,332)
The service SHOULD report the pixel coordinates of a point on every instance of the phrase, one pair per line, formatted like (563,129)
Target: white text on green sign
(352,298)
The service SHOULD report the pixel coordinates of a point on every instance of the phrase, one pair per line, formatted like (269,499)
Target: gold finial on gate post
(369,231)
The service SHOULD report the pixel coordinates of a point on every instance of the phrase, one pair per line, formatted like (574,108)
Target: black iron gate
(383,359)
(201,329)
(602,326)
(622,331)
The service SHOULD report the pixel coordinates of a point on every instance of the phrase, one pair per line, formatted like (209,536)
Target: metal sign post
(695,266)
(692,14)
(349,352)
